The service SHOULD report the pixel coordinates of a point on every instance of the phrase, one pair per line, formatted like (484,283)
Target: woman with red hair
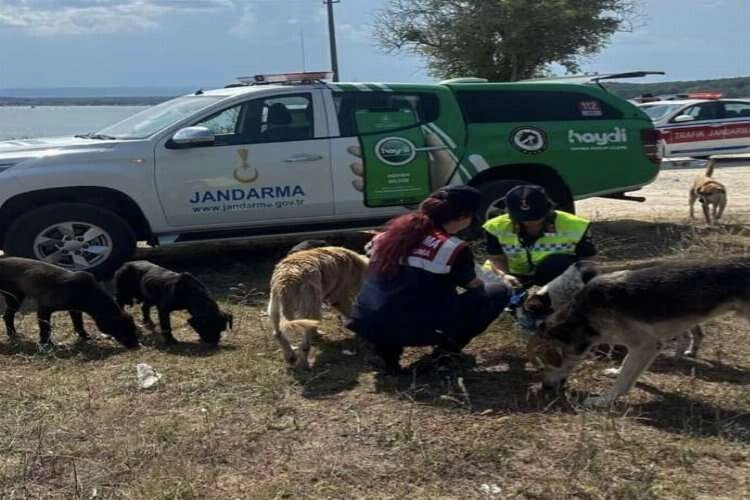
(410,295)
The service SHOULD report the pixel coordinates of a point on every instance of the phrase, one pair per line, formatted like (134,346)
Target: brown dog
(711,194)
(301,283)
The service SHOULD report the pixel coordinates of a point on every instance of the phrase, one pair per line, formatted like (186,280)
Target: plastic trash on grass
(147,376)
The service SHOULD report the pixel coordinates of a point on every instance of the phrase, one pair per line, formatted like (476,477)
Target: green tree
(502,40)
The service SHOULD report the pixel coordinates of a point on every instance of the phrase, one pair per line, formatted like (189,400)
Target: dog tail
(710,167)
(299,326)
(282,327)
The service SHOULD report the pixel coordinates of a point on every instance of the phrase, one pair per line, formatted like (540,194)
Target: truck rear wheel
(75,236)
(493,192)
(491,204)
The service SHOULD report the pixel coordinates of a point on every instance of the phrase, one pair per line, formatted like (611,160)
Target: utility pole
(302,43)
(332,39)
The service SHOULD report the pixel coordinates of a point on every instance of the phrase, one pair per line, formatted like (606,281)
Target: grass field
(236,423)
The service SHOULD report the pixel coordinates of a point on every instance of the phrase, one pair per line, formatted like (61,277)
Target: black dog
(57,289)
(152,285)
(307,245)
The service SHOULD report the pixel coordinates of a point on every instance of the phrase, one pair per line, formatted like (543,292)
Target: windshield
(659,111)
(158,117)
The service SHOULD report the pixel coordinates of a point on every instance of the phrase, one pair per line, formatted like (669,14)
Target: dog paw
(611,372)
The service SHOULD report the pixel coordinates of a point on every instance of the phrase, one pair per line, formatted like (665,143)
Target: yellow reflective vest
(522,261)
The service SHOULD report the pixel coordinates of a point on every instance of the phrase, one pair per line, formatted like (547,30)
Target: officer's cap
(464,198)
(527,202)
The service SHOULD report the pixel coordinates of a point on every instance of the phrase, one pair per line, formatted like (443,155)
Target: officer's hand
(442,162)
(512,281)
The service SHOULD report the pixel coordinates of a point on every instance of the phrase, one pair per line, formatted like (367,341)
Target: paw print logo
(245,173)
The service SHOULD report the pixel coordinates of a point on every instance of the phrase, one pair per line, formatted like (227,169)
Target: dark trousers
(450,327)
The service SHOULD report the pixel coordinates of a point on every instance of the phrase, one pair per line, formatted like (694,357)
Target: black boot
(391,357)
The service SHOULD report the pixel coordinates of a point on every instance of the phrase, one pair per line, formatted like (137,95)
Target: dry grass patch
(236,423)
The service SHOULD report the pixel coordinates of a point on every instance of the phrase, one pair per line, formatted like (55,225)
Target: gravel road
(667,197)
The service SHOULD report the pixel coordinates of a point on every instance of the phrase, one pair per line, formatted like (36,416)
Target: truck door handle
(430,148)
(303,157)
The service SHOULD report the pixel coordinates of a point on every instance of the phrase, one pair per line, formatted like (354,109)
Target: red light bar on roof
(704,95)
(287,77)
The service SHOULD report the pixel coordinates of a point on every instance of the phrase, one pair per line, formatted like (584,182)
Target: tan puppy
(711,194)
(301,283)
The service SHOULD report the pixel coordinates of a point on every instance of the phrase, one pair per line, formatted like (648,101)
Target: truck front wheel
(75,236)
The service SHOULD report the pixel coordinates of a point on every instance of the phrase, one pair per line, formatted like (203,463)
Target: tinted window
(498,106)
(737,109)
(424,106)
(659,111)
(224,122)
(274,119)
(226,126)
(704,111)
(281,119)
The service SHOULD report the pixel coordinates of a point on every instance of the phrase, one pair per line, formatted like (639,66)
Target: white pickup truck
(292,154)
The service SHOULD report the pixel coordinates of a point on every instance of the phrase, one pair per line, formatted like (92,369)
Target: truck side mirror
(192,136)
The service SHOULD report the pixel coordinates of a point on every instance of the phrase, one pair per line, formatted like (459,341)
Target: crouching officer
(410,297)
(533,243)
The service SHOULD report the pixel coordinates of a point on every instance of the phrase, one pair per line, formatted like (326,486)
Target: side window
(280,119)
(225,125)
(737,109)
(424,106)
(504,106)
(704,111)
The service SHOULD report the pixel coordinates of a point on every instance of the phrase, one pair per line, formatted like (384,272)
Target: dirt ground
(667,197)
(236,423)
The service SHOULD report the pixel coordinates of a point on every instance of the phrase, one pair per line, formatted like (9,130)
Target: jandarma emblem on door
(245,173)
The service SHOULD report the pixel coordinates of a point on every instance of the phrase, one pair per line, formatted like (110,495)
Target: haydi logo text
(616,139)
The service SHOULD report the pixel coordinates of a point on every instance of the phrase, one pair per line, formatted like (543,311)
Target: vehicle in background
(701,127)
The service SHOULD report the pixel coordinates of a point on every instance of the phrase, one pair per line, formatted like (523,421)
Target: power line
(332,38)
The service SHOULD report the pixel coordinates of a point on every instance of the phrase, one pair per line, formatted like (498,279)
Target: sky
(204,43)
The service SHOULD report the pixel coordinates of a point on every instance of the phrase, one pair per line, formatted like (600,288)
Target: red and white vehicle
(701,126)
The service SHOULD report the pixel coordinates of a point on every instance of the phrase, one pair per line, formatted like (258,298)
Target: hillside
(729,87)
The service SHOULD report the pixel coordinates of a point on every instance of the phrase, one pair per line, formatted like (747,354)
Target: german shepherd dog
(154,286)
(711,193)
(552,296)
(301,283)
(639,309)
(57,289)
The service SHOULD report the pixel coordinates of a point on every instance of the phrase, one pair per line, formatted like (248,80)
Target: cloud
(246,24)
(82,17)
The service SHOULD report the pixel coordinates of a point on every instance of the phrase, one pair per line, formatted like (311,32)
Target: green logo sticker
(395,151)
